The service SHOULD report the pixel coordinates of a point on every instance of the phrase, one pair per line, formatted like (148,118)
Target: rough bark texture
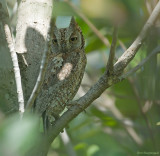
(32,28)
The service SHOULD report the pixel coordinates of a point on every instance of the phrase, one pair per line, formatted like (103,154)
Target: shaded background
(125,119)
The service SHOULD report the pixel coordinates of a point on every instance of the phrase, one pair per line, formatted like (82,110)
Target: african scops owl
(65,69)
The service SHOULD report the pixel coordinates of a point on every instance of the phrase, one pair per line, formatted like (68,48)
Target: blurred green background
(125,119)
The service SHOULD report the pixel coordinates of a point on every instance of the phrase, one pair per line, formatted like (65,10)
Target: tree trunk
(31,33)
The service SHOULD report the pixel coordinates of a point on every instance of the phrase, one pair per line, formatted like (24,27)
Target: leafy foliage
(105,127)
(16,136)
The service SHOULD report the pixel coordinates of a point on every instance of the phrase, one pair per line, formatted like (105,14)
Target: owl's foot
(46,123)
(53,119)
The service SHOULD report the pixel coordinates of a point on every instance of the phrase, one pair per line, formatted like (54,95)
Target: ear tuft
(73,21)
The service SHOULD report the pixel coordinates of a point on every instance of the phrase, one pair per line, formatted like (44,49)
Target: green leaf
(158,124)
(92,150)
(18,136)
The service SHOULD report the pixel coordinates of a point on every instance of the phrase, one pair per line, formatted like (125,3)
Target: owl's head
(66,36)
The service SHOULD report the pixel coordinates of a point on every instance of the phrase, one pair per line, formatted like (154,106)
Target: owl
(65,69)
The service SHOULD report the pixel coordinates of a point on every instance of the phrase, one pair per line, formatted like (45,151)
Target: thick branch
(103,83)
(40,78)
(78,106)
(31,33)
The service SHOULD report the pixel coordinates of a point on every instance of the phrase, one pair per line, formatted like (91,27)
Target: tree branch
(112,51)
(107,102)
(103,83)
(40,78)
(33,19)
(140,103)
(16,68)
(154,52)
(129,54)
(67,143)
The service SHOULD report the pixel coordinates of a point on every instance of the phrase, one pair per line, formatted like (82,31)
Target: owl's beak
(63,51)
(64,48)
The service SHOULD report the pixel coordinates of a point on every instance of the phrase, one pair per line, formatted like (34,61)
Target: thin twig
(112,50)
(129,54)
(132,71)
(122,45)
(24,60)
(103,83)
(40,78)
(16,68)
(89,23)
(139,102)
(67,143)
(14,11)
(107,103)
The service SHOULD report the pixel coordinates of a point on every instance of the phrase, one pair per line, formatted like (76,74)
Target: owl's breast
(65,89)
(65,71)
(62,81)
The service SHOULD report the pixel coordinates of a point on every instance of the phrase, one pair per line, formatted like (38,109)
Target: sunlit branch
(67,143)
(132,71)
(16,68)
(103,83)
(106,102)
(129,54)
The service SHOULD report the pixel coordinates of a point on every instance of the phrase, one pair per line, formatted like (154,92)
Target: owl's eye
(54,41)
(74,38)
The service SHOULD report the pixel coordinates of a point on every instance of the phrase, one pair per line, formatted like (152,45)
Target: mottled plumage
(65,70)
